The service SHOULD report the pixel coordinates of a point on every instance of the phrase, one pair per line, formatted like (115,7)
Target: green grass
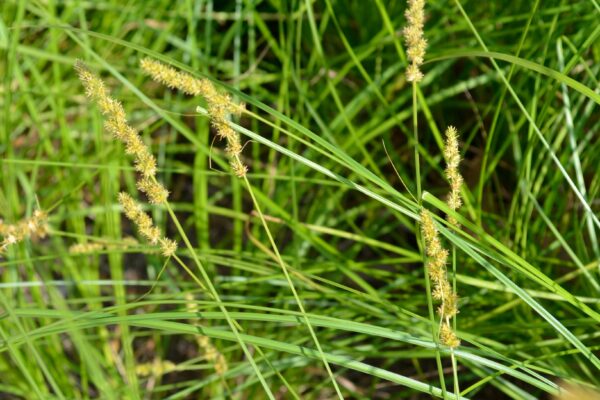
(313,273)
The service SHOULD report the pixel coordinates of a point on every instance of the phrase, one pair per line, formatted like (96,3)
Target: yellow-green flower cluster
(452,156)
(84,248)
(447,335)
(415,42)
(220,106)
(436,268)
(156,368)
(116,123)
(145,225)
(211,353)
(34,227)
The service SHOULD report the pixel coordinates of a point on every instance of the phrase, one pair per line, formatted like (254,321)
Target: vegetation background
(330,148)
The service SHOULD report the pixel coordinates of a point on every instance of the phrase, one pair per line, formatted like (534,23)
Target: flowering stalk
(415,42)
(454,201)
(94,247)
(220,106)
(145,225)
(452,156)
(116,123)
(416,46)
(436,268)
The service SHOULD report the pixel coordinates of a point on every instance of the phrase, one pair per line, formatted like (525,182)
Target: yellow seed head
(448,337)
(212,354)
(116,124)
(220,106)
(451,152)
(239,168)
(146,165)
(191,305)
(441,288)
(156,193)
(145,225)
(82,248)
(452,156)
(415,42)
(220,365)
(234,148)
(168,247)
(156,368)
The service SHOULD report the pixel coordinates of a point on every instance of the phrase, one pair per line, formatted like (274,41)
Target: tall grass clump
(299,199)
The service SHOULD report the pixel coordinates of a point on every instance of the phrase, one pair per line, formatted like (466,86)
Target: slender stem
(454,366)
(454,281)
(434,330)
(189,272)
(233,323)
(416,138)
(454,369)
(455,374)
(291,285)
(215,295)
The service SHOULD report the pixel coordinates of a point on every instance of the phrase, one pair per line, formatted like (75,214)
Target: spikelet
(452,156)
(220,106)
(448,337)
(155,192)
(33,227)
(156,368)
(415,42)
(145,225)
(210,352)
(436,268)
(116,124)
(83,248)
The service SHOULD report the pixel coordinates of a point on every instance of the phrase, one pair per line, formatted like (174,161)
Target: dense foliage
(303,277)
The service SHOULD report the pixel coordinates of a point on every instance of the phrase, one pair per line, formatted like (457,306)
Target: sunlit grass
(305,276)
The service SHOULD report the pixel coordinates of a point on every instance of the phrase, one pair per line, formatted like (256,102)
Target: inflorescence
(415,42)
(452,156)
(116,124)
(436,268)
(145,163)
(33,227)
(220,106)
(437,255)
(145,225)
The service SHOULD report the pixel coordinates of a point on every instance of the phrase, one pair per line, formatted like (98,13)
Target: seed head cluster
(94,247)
(83,248)
(145,225)
(452,156)
(33,227)
(436,267)
(220,106)
(116,123)
(415,42)
(211,353)
(155,368)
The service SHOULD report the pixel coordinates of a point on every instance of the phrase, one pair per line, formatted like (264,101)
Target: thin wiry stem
(216,297)
(292,286)
(434,330)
